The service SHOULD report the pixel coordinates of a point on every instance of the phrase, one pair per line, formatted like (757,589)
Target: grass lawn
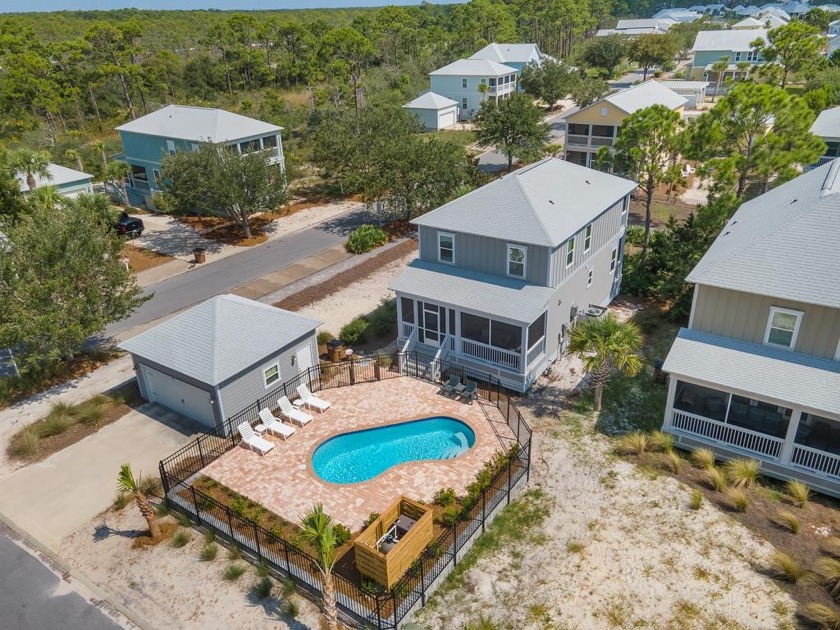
(463,138)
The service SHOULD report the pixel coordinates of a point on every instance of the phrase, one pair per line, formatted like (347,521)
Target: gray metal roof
(219,338)
(748,22)
(506,298)
(59,175)
(505,53)
(645,95)
(198,124)
(765,372)
(827,124)
(541,204)
(431,100)
(474,68)
(678,84)
(662,24)
(728,41)
(783,243)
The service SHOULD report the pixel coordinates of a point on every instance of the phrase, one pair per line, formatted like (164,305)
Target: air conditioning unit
(594,311)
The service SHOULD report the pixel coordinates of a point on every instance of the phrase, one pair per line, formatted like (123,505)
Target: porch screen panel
(420,336)
(536,331)
(442,321)
(760,416)
(451,321)
(505,336)
(407,306)
(701,401)
(475,328)
(820,433)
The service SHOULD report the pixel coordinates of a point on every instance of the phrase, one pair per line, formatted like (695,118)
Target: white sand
(358,298)
(173,588)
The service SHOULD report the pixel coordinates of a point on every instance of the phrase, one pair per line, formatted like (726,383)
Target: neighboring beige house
(757,372)
(599,124)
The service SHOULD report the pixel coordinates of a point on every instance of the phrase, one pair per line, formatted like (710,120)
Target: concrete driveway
(57,496)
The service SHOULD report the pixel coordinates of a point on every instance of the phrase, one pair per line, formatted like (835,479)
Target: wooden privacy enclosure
(386,568)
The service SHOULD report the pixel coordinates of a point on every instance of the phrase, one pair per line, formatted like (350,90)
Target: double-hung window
(446,247)
(570,252)
(587,238)
(782,327)
(271,375)
(517,260)
(463,83)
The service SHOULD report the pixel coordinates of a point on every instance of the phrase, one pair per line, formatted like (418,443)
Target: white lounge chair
(297,416)
(311,400)
(253,441)
(274,426)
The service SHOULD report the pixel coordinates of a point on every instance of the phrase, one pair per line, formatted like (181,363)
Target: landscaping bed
(140,259)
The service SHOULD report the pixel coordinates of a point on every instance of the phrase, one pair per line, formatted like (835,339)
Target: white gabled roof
(431,100)
(679,84)
(59,175)
(198,124)
(644,95)
(541,204)
(659,24)
(734,41)
(782,244)
(506,53)
(221,337)
(749,22)
(473,68)
(827,124)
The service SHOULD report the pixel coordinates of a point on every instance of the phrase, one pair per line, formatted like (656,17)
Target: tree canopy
(652,50)
(605,53)
(514,126)
(792,49)
(548,81)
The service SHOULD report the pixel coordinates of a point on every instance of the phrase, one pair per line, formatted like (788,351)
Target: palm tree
(483,89)
(99,145)
(606,345)
(46,197)
(73,154)
(33,164)
(126,483)
(318,529)
(115,173)
(97,204)
(719,68)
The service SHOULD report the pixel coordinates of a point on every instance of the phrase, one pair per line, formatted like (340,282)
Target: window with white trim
(613,259)
(463,83)
(570,252)
(517,260)
(271,375)
(589,279)
(464,103)
(446,247)
(156,175)
(782,327)
(170,146)
(587,238)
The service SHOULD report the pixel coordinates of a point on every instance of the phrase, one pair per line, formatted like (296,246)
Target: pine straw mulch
(144,539)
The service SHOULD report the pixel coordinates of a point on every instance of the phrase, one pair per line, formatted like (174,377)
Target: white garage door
(186,399)
(446,119)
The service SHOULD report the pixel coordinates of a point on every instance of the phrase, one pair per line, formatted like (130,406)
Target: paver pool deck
(284,482)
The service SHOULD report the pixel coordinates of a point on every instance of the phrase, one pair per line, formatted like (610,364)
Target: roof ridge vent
(831,184)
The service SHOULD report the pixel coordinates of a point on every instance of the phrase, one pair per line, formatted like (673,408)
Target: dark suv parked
(129,226)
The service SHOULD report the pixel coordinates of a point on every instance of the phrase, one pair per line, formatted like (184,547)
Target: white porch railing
(816,460)
(483,352)
(601,141)
(728,434)
(574,139)
(406,329)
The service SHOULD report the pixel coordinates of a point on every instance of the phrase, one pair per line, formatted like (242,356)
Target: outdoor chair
(470,392)
(253,441)
(311,400)
(451,386)
(297,416)
(274,425)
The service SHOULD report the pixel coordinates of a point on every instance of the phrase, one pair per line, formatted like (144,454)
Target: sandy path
(358,298)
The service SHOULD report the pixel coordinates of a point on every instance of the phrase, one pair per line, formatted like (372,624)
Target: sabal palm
(319,529)
(73,154)
(98,205)
(126,483)
(46,197)
(606,346)
(32,164)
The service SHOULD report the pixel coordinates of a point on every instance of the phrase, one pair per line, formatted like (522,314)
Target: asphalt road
(32,597)
(203,282)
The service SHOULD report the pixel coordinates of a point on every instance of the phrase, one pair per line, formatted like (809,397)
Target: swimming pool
(362,455)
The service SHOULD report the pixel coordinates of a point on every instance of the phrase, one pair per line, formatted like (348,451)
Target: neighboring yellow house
(599,124)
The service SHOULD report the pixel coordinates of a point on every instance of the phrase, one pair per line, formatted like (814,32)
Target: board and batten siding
(485,255)
(606,228)
(744,316)
(249,386)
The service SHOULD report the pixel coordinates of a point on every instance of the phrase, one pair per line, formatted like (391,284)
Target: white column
(669,405)
(793,426)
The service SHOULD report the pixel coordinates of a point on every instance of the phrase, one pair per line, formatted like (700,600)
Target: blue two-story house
(712,46)
(505,271)
(461,81)
(147,140)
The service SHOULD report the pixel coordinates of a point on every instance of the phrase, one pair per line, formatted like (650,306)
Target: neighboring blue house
(461,79)
(67,181)
(513,55)
(711,46)
(179,127)
(434,111)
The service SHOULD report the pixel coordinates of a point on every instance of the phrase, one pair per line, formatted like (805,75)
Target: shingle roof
(644,95)
(735,41)
(198,124)
(473,68)
(430,100)
(59,175)
(680,84)
(506,53)
(783,243)
(827,124)
(503,297)
(542,204)
(219,338)
(766,372)
(661,23)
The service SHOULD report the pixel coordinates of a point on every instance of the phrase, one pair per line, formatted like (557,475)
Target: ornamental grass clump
(716,478)
(634,443)
(829,573)
(799,493)
(822,616)
(737,499)
(661,441)
(784,567)
(788,520)
(742,472)
(703,458)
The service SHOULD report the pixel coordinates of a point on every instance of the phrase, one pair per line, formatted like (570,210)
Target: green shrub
(386,361)
(234,553)
(383,320)
(290,608)
(262,570)
(181,539)
(287,586)
(54,425)
(635,235)
(451,515)
(122,499)
(696,500)
(364,238)
(445,497)
(25,444)
(234,571)
(342,534)
(324,337)
(209,552)
(263,588)
(354,332)
(371,517)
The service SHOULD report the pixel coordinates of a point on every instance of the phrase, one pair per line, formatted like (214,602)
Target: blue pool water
(362,455)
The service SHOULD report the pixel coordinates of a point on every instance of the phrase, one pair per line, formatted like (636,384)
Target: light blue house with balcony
(711,46)
(461,81)
(514,55)
(147,140)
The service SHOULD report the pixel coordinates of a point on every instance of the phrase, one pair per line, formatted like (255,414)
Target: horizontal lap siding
(744,316)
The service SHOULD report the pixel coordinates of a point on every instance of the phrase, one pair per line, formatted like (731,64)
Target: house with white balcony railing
(505,270)
(827,127)
(757,372)
(470,82)
(599,124)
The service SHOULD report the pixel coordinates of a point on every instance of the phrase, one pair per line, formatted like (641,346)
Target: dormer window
(517,259)
(782,327)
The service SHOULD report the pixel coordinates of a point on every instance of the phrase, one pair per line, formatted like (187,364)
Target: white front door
(304,359)
(431,325)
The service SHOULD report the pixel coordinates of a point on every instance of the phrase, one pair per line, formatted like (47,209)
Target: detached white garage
(434,111)
(212,361)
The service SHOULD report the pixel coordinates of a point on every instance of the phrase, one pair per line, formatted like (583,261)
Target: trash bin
(335,350)
(199,253)
(658,374)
